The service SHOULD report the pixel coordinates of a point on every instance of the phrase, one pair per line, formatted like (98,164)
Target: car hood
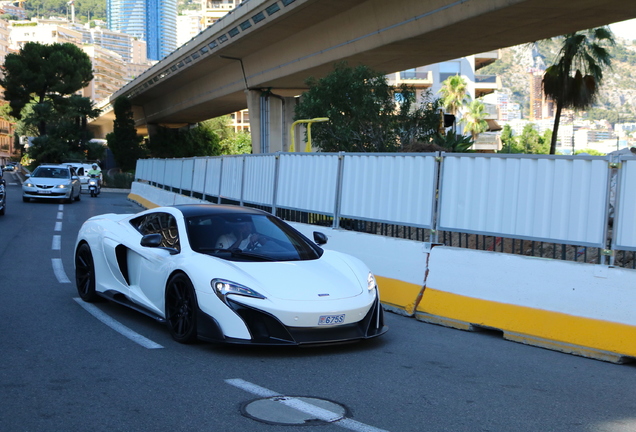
(330,277)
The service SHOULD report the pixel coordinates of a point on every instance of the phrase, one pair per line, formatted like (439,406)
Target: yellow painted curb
(142,201)
(398,296)
(555,330)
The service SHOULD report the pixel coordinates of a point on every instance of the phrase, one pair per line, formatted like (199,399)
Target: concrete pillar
(271,117)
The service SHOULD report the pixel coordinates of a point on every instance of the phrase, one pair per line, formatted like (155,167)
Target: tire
(25,199)
(92,193)
(85,274)
(181,309)
(79,195)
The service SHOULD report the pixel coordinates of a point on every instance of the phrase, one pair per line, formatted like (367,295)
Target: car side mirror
(74,178)
(27,175)
(320,238)
(151,240)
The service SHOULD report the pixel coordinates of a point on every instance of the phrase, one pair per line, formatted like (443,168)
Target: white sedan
(58,182)
(227,274)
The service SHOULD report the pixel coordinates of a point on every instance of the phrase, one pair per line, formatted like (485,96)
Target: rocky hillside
(617,98)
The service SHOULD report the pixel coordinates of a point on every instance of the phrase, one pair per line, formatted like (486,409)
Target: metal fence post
(276,173)
(338,201)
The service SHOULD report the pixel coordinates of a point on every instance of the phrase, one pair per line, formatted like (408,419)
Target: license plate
(331,319)
(45,192)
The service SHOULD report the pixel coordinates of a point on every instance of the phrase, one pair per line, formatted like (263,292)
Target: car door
(149,267)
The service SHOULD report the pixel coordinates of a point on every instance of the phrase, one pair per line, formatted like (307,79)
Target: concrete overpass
(260,54)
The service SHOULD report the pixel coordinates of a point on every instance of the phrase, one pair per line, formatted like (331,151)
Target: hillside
(617,98)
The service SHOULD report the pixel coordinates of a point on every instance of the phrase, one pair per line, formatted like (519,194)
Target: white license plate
(331,319)
(45,192)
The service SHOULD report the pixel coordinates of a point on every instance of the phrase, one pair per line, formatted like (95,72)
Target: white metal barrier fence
(559,199)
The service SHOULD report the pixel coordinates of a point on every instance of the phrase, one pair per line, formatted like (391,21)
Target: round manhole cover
(287,410)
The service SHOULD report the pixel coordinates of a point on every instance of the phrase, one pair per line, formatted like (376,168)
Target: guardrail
(563,207)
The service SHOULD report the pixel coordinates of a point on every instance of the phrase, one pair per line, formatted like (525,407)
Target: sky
(625,29)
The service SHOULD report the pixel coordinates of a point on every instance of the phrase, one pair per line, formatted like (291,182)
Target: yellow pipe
(292,146)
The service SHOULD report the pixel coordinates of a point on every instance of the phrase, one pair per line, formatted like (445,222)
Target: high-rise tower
(154,21)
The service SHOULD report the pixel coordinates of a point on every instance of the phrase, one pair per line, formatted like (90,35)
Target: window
(159,223)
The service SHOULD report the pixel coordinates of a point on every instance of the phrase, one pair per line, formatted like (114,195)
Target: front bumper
(265,329)
(52,193)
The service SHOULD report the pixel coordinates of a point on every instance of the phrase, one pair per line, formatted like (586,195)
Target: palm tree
(454,94)
(475,119)
(573,81)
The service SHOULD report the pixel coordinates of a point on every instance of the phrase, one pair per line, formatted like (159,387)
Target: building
(45,31)
(154,21)
(214,10)
(109,71)
(189,24)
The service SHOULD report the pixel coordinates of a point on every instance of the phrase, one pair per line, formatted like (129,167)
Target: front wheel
(181,309)
(85,274)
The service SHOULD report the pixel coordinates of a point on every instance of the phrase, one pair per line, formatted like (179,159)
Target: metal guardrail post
(275,191)
(338,200)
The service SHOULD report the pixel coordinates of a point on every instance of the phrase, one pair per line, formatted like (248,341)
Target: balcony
(485,84)
(484,59)
(412,77)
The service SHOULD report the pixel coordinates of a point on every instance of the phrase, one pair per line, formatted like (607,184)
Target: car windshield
(248,237)
(51,172)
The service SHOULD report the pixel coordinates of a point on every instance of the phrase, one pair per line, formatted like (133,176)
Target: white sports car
(227,274)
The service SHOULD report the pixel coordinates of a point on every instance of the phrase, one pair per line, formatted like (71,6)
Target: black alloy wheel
(181,309)
(85,274)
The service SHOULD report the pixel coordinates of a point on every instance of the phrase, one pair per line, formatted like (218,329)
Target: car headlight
(29,184)
(223,288)
(371,283)
(61,186)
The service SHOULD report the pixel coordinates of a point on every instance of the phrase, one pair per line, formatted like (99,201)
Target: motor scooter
(93,185)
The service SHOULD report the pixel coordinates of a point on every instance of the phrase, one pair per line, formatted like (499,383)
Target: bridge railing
(567,207)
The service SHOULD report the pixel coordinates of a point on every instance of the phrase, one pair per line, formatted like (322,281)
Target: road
(63,369)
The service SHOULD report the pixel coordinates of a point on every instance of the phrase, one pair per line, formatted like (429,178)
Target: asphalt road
(63,369)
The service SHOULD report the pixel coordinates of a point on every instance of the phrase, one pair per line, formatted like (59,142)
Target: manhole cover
(287,410)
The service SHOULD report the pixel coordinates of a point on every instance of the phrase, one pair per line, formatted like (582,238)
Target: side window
(159,223)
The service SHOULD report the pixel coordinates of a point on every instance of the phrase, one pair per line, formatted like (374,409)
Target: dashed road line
(58,270)
(117,326)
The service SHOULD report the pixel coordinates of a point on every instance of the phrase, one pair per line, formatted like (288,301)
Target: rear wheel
(85,274)
(181,309)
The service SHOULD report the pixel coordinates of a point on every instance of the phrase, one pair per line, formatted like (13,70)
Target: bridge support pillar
(271,117)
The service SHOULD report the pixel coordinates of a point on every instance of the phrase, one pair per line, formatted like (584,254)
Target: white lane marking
(117,326)
(58,226)
(304,407)
(58,269)
(60,215)
(60,207)
(57,242)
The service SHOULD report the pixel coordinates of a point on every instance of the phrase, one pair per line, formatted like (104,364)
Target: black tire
(25,199)
(92,193)
(181,309)
(79,196)
(85,274)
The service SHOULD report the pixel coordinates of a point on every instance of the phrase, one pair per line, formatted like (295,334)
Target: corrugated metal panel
(389,188)
(259,179)
(187,170)
(159,171)
(172,172)
(141,169)
(540,198)
(625,216)
(198,181)
(308,182)
(213,176)
(232,177)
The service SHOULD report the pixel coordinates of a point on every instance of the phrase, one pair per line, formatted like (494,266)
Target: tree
(44,75)
(199,140)
(573,81)
(454,94)
(365,113)
(123,141)
(475,119)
